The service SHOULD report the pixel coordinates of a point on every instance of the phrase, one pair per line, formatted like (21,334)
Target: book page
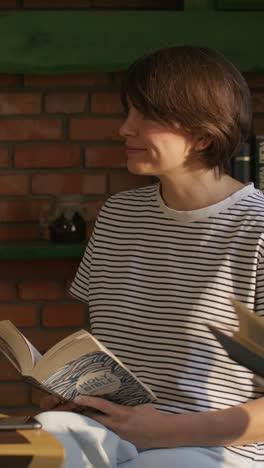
(35,354)
(22,351)
(74,348)
(251,327)
(63,344)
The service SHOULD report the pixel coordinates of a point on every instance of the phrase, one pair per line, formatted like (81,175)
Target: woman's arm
(239,425)
(147,427)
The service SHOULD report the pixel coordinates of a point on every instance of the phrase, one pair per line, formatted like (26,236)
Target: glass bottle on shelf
(67,223)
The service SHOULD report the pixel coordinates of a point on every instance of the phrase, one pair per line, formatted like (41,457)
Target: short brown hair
(201,91)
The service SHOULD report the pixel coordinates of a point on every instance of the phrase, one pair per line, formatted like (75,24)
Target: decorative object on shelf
(259,162)
(67,223)
(241,165)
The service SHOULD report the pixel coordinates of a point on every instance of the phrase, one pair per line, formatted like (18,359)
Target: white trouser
(88,444)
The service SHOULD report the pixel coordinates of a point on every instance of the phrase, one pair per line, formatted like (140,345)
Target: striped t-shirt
(153,277)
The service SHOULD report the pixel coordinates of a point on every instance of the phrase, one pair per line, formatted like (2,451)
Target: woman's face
(153,148)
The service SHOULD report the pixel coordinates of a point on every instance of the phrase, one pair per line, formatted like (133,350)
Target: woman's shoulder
(135,197)
(254,202)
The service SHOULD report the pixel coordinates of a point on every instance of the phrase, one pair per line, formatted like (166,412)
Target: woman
(165,259)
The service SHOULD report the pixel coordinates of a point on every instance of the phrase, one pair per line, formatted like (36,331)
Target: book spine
(31,381)
(241,164)
(258,163)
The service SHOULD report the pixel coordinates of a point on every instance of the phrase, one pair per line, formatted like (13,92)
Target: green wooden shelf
(56,42)
(22,250)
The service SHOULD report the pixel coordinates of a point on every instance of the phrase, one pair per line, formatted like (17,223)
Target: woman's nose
(127,128)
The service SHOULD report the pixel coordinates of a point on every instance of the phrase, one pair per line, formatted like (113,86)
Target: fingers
(51,402)
(69,406)
(104,406)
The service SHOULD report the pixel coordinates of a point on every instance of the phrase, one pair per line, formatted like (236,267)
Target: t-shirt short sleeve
(80,285)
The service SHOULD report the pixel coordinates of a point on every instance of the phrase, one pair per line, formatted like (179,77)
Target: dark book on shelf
(258,162)
(241,165)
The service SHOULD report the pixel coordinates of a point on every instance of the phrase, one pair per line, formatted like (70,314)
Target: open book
(77,365)
(246,345)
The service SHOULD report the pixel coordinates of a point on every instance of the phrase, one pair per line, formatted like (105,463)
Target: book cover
(239,352)
(98,374)
(244,345)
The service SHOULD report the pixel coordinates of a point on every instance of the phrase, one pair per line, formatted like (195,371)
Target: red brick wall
(58,135)
(33,295)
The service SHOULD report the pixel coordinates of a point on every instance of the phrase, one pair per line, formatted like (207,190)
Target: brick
(57,4)
(106,103)
(19,232)
(22,315)
(8,81)
(39,268)
(29,129)
(40,290)
(20,103)
(126,181)
(4,158)
(36,395)
(16,184)
(69,183)
(258,124)
(23,411)
(105,157)
(254,79)
(89,230)
(117,78)
(66,103)
(94,184)
(44,339)
(47,156)
(138,4)
(258,101)
(63,315)
(23,210)
(66,81)
(7,290)
(14,394)
(95,129)
(93,207)
(7,371)
(8,3)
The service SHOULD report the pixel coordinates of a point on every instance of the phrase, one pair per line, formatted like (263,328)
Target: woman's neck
(197,191)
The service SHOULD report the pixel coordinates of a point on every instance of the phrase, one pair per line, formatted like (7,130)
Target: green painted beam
(57,42)
(22,250)
(238,4)
(199,5)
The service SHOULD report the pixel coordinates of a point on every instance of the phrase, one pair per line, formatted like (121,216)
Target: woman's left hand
(142,425)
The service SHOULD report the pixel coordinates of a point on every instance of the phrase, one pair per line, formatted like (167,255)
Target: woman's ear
(202,143)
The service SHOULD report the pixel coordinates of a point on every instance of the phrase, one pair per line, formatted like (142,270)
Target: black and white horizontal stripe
(153,277)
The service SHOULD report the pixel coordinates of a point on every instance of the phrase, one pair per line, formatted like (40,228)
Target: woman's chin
(138,169)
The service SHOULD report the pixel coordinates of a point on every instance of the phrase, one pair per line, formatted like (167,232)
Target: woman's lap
(88,444)
(189,457)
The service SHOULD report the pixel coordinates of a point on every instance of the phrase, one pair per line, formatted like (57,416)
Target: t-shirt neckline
(208,211)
